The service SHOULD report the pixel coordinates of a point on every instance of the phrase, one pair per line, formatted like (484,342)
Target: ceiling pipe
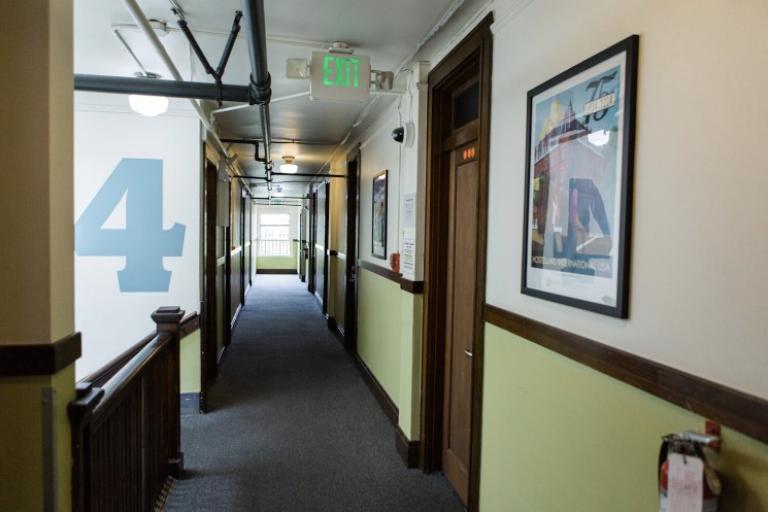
(261,82)
(155,87)
(143,23)
(298,142)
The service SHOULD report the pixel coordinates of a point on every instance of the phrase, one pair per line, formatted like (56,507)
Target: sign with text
(340,77)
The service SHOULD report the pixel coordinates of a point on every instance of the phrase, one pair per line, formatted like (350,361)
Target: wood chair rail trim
(735,409)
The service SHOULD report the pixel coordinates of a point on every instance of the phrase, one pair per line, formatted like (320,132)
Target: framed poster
(379,218)
(578,193)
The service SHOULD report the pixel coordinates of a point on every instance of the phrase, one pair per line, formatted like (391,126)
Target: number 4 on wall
(143,242)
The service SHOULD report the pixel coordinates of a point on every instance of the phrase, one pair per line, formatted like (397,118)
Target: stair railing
(126,442)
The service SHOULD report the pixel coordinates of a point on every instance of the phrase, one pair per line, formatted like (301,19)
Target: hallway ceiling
(387,31)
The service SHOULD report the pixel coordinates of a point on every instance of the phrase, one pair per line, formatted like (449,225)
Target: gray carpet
(293,427)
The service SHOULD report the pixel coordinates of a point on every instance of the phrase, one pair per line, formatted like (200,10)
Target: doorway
(457,183)
(350,289)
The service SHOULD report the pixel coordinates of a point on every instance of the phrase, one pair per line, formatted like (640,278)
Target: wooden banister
(126,441)
(189,324)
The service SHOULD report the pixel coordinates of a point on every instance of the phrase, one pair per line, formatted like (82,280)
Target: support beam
(169,88)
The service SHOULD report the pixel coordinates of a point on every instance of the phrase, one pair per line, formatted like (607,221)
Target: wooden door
(454,273)
(209,369)
(350,291)
(461,304)
(312,228)
(321,243)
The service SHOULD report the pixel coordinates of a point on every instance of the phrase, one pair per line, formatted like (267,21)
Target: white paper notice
(408,256)
(686,483)
(409,211)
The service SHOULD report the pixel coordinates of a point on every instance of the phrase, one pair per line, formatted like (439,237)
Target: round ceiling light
(288,166)
(149,106)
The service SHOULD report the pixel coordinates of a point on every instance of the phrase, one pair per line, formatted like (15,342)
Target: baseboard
(235,317)
(220,355)
(337,330)
(408,450)
(276,271)
(386,403)
(190,403)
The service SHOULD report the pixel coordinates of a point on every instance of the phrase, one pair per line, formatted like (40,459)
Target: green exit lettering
(341,71)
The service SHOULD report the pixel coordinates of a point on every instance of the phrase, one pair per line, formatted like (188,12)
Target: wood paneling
(126,435)
(746,413)
(414,287)
(39,358)
(379,270)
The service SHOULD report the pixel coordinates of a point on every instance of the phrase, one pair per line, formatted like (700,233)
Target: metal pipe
(196,48)
(230,44)
(141,20)
(155,87)
(266,134)
(255,33)
(130,51)
(309,174)
(303,174)
(275,140)
(261,82)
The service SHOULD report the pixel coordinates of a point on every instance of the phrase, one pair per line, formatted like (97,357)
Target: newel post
(168,320)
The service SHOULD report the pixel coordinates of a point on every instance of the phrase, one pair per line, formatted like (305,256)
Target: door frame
(312,270)
(208,367)
(326,244)
(475,50)
(350,289)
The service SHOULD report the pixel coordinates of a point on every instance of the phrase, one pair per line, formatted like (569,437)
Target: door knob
(468,353)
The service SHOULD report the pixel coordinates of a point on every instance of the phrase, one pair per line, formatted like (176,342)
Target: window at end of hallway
(274,234)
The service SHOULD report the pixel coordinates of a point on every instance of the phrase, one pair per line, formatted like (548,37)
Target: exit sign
(340,76)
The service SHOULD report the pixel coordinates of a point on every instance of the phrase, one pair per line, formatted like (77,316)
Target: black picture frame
(379,180)
(573,265)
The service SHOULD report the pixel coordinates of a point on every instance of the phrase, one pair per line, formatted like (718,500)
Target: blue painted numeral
(143,242)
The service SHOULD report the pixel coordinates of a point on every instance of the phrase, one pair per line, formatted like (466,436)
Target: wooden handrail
(128,376)
(99,378)
(126,434)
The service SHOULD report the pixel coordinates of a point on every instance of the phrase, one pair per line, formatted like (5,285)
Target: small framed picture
(379,218)
(578,194)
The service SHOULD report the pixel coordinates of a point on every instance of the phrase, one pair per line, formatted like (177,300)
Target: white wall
(106,131)
(406,165)
(380,153)
(699,247)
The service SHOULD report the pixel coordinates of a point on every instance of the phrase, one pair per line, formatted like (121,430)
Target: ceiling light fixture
(149,106)
(288,166)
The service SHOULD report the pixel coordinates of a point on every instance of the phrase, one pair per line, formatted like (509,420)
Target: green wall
(190,363)
(558,435)
(278,262)
(378,339)
(21,468)
(410,364)
(389,342)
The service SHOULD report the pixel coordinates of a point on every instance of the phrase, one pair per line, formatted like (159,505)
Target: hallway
(293,426)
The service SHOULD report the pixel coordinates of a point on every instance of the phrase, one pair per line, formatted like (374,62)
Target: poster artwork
(379,216)
(579,168)
(574,178)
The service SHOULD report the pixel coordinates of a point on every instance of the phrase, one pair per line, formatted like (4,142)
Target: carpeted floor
(293,427)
